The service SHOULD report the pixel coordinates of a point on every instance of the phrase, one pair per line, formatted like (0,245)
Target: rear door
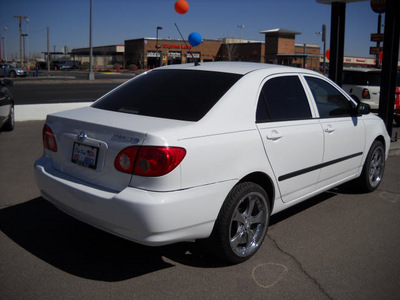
(344,134)
(293,139)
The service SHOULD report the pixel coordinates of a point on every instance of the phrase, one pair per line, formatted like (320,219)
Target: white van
(363,84)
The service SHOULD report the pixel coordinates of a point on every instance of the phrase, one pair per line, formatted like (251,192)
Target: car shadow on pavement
(75,247)
(87,252)
(298,208)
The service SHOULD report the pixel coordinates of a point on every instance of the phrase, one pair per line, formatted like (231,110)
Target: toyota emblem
(82,136)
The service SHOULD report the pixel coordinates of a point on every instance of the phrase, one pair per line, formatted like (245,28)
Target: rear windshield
(173,94)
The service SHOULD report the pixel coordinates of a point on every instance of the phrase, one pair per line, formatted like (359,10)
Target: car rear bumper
(146,217)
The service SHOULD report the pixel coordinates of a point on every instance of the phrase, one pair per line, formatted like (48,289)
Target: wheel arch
(381,139)
(265,182)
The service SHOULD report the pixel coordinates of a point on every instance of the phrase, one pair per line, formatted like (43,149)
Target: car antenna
(196,62)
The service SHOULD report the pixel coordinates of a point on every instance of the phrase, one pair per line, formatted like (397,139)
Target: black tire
(373,169)
(13,74)
(9,125)
(242,223)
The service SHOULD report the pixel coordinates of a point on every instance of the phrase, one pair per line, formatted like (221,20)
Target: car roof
(241,68)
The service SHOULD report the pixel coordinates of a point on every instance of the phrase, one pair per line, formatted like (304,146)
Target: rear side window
(281,99)
(185,95)
(330,102)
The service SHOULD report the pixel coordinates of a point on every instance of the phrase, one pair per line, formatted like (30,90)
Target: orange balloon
(181,6)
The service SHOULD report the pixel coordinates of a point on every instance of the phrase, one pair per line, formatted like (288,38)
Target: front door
(293,140)
(344,133)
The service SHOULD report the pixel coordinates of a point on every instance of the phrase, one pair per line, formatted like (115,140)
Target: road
(26,93)
(56,87)
(339,245)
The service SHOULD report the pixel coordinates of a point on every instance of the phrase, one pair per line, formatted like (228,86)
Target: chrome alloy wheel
(248,224)
(376,167)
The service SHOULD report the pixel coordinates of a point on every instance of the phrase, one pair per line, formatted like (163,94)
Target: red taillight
(49,141)
(365,94)
(148,160)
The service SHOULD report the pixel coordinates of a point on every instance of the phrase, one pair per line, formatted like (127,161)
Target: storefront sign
(166,46)
(174,54)
(153,54)
(193,55)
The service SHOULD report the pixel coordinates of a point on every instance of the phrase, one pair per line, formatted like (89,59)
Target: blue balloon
(195,39)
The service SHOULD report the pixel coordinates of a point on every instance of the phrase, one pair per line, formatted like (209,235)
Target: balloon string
(196,63)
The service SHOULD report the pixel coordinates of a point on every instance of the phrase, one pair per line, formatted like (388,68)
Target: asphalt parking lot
(339,245)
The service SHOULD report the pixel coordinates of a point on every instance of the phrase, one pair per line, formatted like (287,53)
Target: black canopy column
(389,63)
(338,18)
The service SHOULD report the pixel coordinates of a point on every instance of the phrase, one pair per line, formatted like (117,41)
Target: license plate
(84,155)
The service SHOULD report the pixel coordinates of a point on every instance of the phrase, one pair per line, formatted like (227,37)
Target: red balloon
(380,56)
(181,6)
(328,54)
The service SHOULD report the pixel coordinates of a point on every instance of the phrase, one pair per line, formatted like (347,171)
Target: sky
(115,21)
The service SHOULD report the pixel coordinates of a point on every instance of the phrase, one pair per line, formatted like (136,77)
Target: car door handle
(329,128)
(273,135)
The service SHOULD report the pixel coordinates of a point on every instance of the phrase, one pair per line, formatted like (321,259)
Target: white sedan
(209,151)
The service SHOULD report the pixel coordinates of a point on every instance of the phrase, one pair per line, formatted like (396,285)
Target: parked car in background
(12,71)
(66,65)
(208,151)
(6,106)
(364,84)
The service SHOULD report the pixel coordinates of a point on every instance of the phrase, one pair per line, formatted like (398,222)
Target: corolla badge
(82,136)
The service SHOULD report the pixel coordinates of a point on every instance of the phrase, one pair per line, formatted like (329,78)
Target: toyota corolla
(208,151)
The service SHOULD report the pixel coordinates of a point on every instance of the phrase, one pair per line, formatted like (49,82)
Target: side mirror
(362,109)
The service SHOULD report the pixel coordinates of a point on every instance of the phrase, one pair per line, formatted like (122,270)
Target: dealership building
(278,47)
(149,53)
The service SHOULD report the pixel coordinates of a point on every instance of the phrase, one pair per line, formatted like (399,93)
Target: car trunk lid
(90,139)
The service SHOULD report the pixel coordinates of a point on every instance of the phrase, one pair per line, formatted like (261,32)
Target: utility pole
(4,39)
(20,38)
(324,41)
(91,74)
(241,28)
(48,50)
(24,35)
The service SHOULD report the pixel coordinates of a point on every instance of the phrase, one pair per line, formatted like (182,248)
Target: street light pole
(4,43)
(91,74)
(240,28)
(48,50)
(27,41)
(323,38)
(20,38)
(23,47)
(157,47)
(324,41)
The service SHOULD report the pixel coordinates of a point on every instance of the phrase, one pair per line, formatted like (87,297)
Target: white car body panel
(292,146)
(222,148)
